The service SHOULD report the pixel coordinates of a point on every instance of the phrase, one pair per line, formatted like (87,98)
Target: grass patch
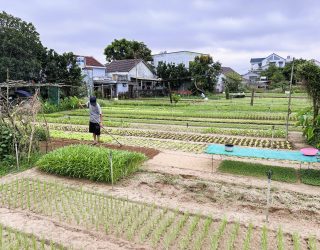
(89,162)
(310,176)
(9,166)
(258,170)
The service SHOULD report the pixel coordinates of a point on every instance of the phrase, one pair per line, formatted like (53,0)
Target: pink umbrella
(309,151)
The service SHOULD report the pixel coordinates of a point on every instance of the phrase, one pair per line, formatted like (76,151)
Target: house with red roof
(91,69)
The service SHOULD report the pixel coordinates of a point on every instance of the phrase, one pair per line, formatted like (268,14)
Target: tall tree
(232,81)
(20,49)
(204,72)
(286,71)
(125,49)
(176,74)
(63,69)
(309,73)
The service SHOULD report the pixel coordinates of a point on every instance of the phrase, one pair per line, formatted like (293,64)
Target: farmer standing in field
(95,123)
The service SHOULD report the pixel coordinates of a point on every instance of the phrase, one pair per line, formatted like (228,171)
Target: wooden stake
(289,102)
(111,168)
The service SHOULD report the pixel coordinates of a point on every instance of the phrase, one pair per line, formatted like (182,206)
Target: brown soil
(191,183)
(62,233)
(58,143)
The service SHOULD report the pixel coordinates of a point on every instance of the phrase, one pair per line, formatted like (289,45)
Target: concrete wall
(142,71)
(122,88)
(184,57)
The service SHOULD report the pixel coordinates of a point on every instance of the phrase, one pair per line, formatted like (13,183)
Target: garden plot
(190,137)
(14,239)
(154,226)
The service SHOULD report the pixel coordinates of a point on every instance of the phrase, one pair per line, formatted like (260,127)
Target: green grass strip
(310,176)
(258,170)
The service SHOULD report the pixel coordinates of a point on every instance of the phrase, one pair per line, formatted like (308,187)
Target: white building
(126,76)
(316,62)
(222,76)
(91,68)
(258,64)
(184,57)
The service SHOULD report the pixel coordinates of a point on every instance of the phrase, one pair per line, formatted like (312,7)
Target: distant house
(91,68)
(253,76)
(222,76)
(316,62)
(258,64)
(127,77)
(177,57)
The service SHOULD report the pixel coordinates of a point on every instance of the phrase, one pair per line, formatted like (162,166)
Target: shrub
(41,134)
(89,162)
(176,98)
(67,103)
(6,141)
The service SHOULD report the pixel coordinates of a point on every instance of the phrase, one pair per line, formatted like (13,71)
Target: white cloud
(232,31)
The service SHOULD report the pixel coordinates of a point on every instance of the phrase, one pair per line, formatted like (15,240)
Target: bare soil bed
(187,182)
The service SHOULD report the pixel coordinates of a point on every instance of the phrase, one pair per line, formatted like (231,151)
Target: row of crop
(277,133)
(129,122)
(133,141)
(202,138)
(11,238)
(261,105)
(80,121)
(188,114)
(138,222)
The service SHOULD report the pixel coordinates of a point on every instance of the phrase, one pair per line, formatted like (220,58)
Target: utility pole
(289,102)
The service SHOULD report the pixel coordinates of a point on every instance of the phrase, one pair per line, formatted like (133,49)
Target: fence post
(111,168)
(269,175)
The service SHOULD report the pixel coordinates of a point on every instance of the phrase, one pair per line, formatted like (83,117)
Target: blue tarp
(23,93)
(261,153)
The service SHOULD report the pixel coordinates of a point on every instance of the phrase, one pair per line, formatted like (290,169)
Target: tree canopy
(176,74)
(126,49)
(232,81)
(204,72)
(21,49)
(309,73)
(23,54)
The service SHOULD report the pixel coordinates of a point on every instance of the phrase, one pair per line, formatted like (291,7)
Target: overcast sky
(232,31)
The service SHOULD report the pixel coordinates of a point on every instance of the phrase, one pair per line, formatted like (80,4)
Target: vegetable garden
(157,227)
(148,219)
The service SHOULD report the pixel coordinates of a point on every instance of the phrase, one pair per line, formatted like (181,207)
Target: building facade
(253,76)
(184,57)
(126,77)
(220,86)
(91,69)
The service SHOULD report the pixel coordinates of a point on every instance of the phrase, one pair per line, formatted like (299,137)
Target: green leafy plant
(89,162)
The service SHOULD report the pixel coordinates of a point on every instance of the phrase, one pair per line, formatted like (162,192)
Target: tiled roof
(92,62)
(122,65)
(226,70)
(256,60)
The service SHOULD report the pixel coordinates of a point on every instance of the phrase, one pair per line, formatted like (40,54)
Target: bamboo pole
(289,102)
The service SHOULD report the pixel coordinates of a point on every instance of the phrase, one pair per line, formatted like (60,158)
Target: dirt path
(297,140)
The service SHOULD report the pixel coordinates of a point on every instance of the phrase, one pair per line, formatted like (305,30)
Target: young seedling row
(14,239)
(153,226)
